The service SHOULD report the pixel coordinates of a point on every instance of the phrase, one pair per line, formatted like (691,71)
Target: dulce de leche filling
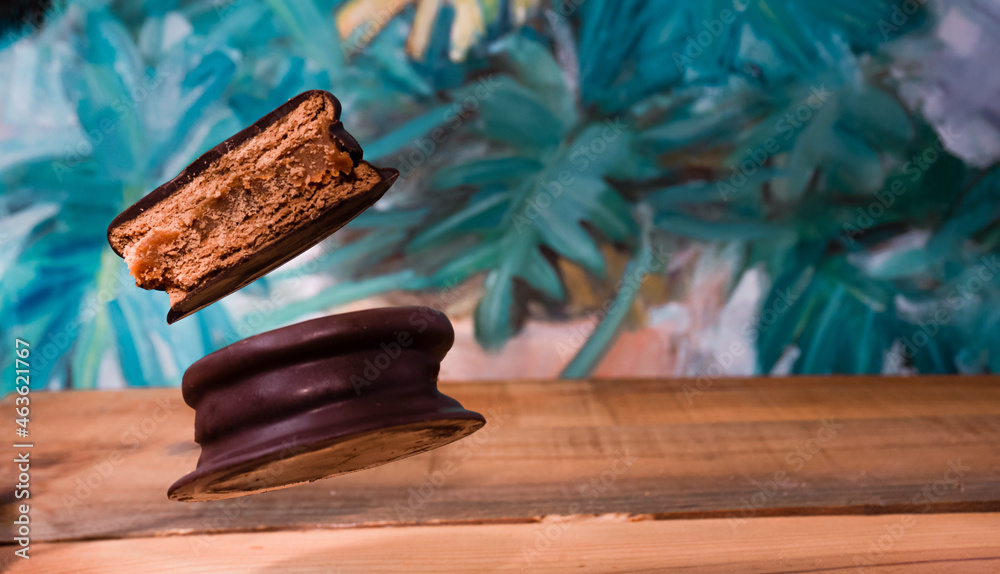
(272,184)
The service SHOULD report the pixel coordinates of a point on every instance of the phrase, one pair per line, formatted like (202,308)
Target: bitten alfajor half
(320,398)
(248,205)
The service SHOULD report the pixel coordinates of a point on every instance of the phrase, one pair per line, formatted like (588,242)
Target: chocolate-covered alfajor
(248,205)
(320,398)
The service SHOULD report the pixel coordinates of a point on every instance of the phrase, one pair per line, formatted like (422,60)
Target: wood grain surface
(102,461)
(952,543)
(650,456)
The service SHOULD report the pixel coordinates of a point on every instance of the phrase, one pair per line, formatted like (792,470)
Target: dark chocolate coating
(320,398)
(253,266)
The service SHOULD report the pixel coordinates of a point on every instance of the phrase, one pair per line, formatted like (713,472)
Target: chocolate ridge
(273,448)
(284,407)
(333,335)
(219,415)
(359,417)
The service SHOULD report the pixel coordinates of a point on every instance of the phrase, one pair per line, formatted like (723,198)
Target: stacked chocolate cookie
(302,402)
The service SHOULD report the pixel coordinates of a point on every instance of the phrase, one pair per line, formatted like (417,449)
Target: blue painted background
(839,148)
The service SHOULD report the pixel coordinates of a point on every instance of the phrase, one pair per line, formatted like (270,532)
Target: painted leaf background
(585,164)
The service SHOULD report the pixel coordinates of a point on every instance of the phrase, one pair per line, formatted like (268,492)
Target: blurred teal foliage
(635,125)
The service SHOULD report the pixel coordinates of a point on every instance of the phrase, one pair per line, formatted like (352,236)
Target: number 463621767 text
(22,386)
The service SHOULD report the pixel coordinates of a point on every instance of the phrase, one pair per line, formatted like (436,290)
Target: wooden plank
(956,543)
(103,460)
